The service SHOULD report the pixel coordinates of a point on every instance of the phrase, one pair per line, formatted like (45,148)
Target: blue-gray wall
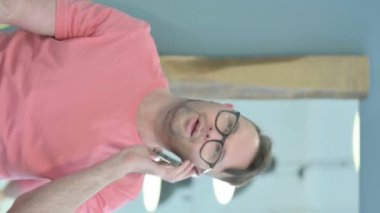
(275,28)
(253,27)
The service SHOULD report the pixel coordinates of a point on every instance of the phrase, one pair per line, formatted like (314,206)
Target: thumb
(159,168)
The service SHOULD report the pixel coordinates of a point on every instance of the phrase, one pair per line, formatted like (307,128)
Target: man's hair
(260,162)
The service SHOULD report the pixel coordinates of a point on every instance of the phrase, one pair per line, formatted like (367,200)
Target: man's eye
(228,128)
(217,152)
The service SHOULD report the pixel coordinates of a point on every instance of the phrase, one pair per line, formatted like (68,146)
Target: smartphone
(167,156)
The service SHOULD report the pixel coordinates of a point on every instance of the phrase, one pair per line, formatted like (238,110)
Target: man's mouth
(192,127)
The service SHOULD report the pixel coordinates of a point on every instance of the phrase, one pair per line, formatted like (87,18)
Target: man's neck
(151,115)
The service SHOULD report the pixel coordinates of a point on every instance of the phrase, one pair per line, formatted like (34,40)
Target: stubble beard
(175,139)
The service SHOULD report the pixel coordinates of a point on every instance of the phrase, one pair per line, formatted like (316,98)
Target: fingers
(167,172)
(184,172)
(175,174)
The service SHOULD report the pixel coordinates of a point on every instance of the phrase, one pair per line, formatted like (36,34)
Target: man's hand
(139,159)
(67,193)
(37,16)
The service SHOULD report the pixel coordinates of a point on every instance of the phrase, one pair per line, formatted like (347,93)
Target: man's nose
(212,134)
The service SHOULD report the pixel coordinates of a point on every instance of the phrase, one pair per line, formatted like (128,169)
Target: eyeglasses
(225,123)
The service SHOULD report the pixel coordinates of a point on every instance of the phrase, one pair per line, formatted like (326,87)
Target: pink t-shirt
(70,101)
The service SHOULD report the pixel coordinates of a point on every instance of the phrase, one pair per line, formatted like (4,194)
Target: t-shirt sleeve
(114,195)
(82,18)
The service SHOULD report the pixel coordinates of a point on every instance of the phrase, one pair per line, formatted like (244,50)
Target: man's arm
(4,11)
(68,193)
(37,16)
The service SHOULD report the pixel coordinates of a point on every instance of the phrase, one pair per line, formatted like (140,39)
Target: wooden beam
(268,78)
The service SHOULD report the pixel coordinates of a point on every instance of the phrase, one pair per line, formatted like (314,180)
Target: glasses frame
(222,141)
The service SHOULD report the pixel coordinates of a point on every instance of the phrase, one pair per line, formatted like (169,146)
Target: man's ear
(229,105)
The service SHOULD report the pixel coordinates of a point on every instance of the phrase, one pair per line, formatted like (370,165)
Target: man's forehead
(248,130)
(241,147)
(249,137)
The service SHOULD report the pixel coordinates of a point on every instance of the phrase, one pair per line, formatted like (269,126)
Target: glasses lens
(211,151)
(226,122)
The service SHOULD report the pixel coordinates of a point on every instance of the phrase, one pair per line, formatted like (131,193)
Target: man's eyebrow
(224,149)
(236,128)
(222,156)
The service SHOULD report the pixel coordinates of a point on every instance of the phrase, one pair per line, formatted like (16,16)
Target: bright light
(3,26)
(223,191)
(151,192)
(356,142)
(5,202)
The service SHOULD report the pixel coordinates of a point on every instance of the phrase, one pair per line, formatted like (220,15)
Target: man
(84,102)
